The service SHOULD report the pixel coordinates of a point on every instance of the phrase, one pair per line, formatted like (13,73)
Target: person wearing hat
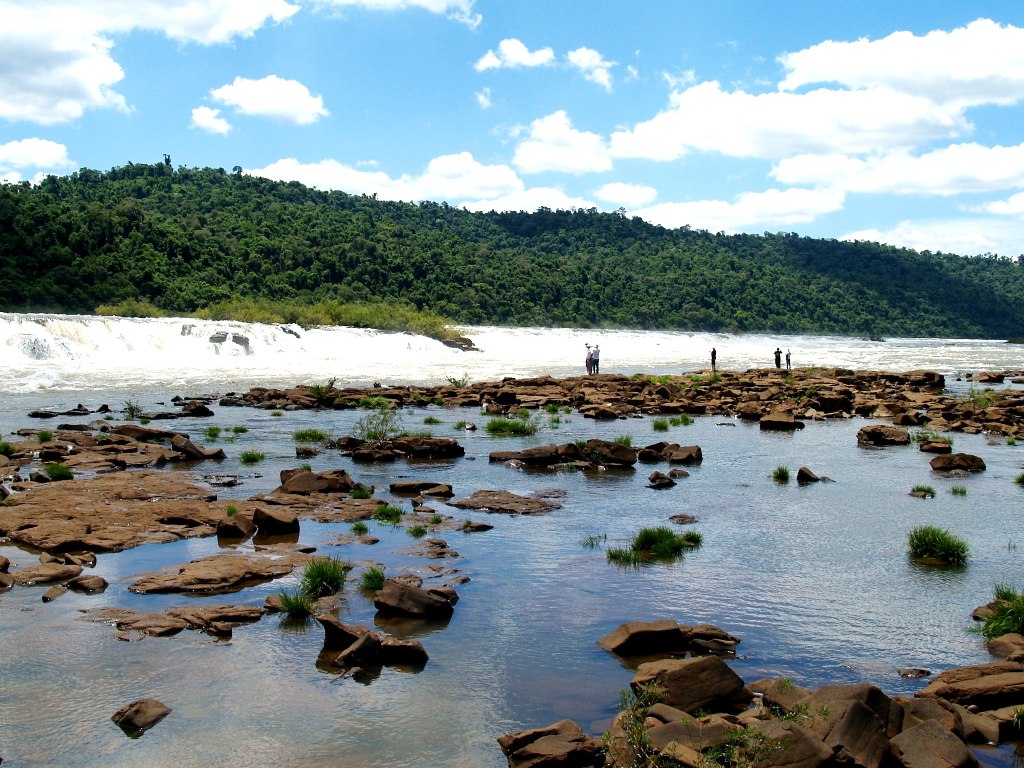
(595,359)
(590,359)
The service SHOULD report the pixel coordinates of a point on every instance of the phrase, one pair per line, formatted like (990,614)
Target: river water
(815,579)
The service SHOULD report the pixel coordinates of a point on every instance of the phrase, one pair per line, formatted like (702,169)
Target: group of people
(593,358)
(778,359)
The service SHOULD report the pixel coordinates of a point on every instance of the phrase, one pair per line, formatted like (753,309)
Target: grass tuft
(594,540)
(520,427)
(372,579)
(58,472)
(323,576)
(212,433)
(625,440)
(44,435)
(927,490)
(958,490)
(1007,613)
(929,542)
(660,424)
(311,435)
(659,543)
(6,449)
(252,457)
(417,531)
(360,528)
(781,475)
(298,605)
(388,514)
(358,492)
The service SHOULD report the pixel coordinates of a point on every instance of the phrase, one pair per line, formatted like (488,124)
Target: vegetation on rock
(929,542)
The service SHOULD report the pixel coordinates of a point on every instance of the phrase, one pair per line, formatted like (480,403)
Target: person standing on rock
(788,366)
(714,359)
(590,359)
(778,357)
(595,359)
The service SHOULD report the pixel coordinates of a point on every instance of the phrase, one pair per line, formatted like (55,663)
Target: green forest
(186,239)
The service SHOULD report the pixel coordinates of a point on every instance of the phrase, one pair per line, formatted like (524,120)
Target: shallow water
(814,579)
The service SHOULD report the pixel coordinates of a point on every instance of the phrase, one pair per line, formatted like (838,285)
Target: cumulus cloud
(273,97)
(457,10)
(39,155)
(774,125)
(967,237)
(209,120)
(448,177)
(951,170)
(593,67)
(627,195)
(483,98)
(981,63)
(57,60)
(1012,206)
(530,200)
(554,145)
(773,207)
(513,53)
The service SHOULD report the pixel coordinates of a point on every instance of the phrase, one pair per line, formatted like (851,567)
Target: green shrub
(323,576)
(625,440)
(44,435)
(503,426)
(1007,613)
(378,425)
(958,490)
(925,490)
(417,531)
(388,514)
(374,403)
(360,528)
(781,475)
(131,308)
(252,457)
(358,492)
(58,472)
(372,579)
(929,542)
(212,433)
(309,435)
(6,449)
(460,381)
(659,543)
(131,409)
(551,408)
(660,424)
(298,605)
(431,420)
(323,394)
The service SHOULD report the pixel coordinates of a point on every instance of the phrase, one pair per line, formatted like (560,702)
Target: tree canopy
(188,238)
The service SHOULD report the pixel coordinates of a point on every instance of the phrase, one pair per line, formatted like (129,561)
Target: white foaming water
(86,353)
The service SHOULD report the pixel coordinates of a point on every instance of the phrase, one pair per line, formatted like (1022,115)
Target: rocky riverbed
(139,486)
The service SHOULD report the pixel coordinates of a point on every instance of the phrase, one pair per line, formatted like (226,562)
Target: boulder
(683,454)
(89,584)
(53,593)
(780,422)
(957,461)
(882,434)
(560,744)
(703,682)
(854,732)
(643,638)
(659,481)
(273,521)
(698,734)
(505,501)
(236,526)
(804,476)
(46,573)
(929,745)
(797,747)
(1009,647)
(227,572)
(186,447)
(140,715)
(609,453)
(397,598)
(987,686)
(938,445)
(304,483)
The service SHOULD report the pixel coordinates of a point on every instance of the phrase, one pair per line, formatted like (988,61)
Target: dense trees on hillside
(187,238)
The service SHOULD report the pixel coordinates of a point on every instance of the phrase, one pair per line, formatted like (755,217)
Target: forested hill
(185,238)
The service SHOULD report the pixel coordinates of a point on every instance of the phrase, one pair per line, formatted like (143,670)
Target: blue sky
(895,122)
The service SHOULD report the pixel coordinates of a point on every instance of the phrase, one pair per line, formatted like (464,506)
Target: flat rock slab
(227,572)
(505,501)
(174,620)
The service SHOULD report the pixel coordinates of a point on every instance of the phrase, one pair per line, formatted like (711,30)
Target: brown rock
(780,422)
(704,682)
(882,434)
(641,638)
(1009,647)
(561,744)
(698,734)
(53,593)
(929,745)
(140,715)
(90,584)
(940,445)
(955,461)
(399,599)
(190,450)
(659,480)
(804,476)
(236,526)
(226,572)
(504,501)
(46,573)
(989,686)
(683,454)
(274,521)
(335,481)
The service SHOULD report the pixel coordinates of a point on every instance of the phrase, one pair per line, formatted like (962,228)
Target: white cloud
(554,145)
(981,63)
(771,208)
(448,177)
(775,125)
(1012,206)
(513,53)
(273,97)
(592,65)
(530,200)
(628,195)
(483,98)
(457,10)
(57,60)
(967,237)
(952,170)
(209,120)
(43,155)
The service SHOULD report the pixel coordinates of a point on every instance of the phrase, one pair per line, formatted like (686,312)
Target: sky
(897,122)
